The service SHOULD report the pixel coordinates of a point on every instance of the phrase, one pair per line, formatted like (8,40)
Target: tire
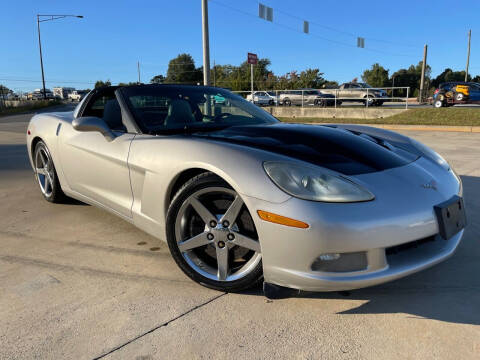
(369,100)
(438,104)
(459,97)
(319,102)
(200,238)
(46,174)
(287,102)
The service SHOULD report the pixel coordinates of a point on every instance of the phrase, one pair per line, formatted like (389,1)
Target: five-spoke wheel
(212,236)
(46,174)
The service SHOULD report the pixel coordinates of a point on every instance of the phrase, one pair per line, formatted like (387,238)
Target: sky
(114,35)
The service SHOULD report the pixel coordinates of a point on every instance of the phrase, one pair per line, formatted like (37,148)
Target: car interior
(105,105)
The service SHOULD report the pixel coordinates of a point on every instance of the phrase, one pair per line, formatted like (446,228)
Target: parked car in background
(261,98)
(458,92)
(220,100)
(359,92)
(306,97)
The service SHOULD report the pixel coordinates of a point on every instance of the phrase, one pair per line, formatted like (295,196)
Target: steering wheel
(221,116)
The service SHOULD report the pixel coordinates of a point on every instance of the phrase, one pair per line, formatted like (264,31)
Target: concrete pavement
(79,283)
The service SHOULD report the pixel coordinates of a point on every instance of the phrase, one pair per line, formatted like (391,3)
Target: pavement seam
(158,327)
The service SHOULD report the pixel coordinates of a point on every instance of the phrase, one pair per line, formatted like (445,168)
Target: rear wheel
(46,174)
(438,103)
(212,237)
(287,102)
(459,96)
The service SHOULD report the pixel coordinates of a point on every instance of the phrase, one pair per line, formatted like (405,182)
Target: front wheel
(212,237)
(369,100)
(46,175)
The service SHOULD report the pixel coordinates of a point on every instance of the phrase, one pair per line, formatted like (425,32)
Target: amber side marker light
(282,220)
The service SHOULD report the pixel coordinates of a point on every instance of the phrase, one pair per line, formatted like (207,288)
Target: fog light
(344,262)
(327,257)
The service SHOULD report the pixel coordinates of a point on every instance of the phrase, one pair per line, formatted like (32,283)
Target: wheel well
(181,179)
(35,140)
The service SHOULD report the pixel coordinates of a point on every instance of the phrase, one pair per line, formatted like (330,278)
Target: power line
(338,30)
(314,35)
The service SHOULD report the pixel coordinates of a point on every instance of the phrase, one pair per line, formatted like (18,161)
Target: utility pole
(206,46)
(422,80)
(468,54)
(138,69)
(214,73)
(41,57)
(251,78)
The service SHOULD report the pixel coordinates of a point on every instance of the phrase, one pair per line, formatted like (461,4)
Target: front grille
(398,249)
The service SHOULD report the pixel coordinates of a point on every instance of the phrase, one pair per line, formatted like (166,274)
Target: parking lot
(79,283)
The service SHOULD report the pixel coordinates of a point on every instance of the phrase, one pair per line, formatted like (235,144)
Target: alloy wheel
(44,171)
(216,236)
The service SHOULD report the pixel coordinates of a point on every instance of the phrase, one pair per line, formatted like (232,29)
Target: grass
(427,116)
(40,104)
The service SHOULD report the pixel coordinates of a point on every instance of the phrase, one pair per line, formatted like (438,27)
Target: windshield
(365,85)
(174,108)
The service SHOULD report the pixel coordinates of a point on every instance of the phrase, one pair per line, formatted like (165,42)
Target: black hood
(341,150)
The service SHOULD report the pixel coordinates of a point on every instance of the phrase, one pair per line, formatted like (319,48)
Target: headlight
(312,183)
(432,155)
(460,185)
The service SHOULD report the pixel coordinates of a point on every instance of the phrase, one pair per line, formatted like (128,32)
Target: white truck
(75,96)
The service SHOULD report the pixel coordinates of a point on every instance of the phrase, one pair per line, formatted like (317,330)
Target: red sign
(252,59)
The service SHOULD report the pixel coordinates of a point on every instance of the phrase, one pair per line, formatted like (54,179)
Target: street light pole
(52,17)
(41,57)
(206,46)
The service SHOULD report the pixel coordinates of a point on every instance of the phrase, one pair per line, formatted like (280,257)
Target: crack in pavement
(88,270)
(158,327)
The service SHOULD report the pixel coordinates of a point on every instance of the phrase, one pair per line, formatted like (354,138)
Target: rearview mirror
(92,123)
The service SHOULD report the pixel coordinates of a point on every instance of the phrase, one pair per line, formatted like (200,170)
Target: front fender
(155,163)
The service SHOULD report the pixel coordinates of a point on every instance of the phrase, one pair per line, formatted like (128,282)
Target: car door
(346,93)
(475,93)
(95,167)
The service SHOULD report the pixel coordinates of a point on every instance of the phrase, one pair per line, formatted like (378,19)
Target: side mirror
(92,123)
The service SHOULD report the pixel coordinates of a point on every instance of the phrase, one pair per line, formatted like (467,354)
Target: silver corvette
(242,198)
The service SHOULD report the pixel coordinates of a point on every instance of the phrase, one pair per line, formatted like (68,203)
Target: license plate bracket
(451,217)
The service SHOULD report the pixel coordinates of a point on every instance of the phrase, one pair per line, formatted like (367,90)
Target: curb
(443,128)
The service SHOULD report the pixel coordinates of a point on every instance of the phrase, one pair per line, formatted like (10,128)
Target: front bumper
(401,213)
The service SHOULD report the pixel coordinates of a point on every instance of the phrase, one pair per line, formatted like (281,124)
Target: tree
(182,70)
(157,79)
(127,84)
(101,83)
(376,76)
(4,90)
(449,75)
(476,79)
(237,78)
(411,77)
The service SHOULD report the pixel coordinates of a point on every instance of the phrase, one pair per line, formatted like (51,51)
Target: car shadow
(447,292)
(14,157)
(14,163)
